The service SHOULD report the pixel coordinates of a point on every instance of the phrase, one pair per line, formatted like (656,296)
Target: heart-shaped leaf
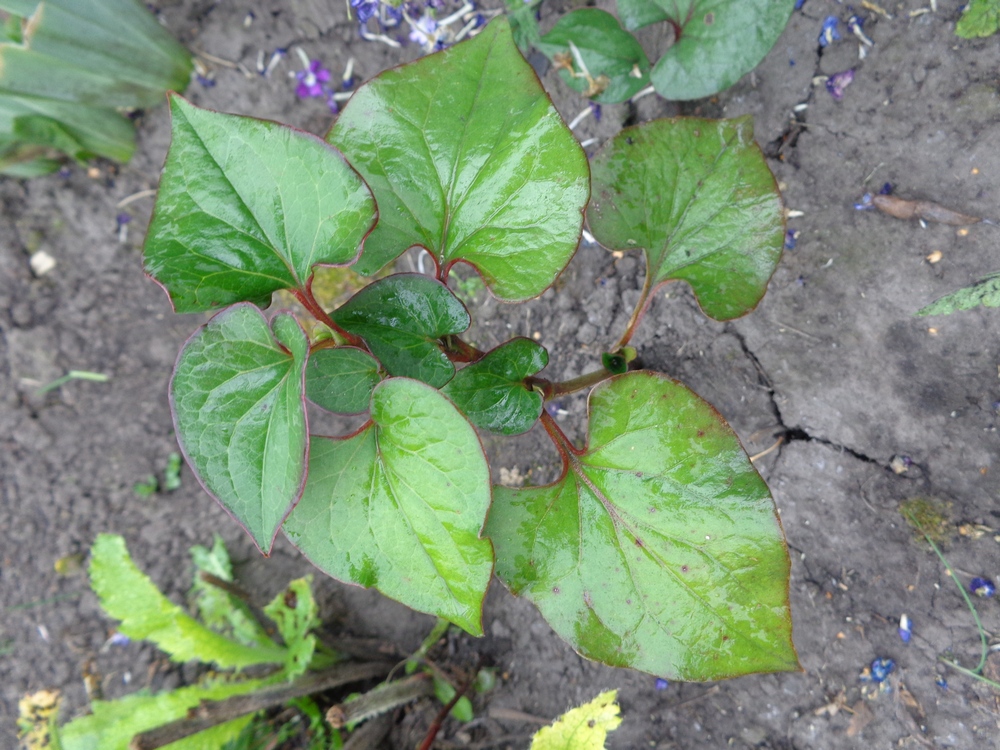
(341,379)
(698,198)
(239,413)
(468,158)
(401,318)
(607,50)
(247,207)
(399,505)
(659,548)
(717,42)
(492,393)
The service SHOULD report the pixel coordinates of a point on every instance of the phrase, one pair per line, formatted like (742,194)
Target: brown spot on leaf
(709,19)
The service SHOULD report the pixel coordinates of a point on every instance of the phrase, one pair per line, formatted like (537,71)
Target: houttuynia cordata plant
(659,547)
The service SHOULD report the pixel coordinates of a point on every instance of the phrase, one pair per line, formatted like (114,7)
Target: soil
(833,360)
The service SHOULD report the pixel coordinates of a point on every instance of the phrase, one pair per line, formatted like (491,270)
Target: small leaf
(444,692)
(979,19)
(614,363)
(239,412)
(491,392)
(468,158)
(717,42)
(698,198)
(247,207)
(636,14)
(985,292)
(401,318)
(341,379)
(659,548)
(294,612)
(399,505)
(585,727)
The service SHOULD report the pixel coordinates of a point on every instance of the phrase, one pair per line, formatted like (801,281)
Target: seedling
(659,547)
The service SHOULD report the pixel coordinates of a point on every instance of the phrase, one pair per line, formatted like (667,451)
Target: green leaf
(717,42)
(247,207)
(341,379)
(659,548)
(239,413)
(46,131)
(401,318)
(585,727)
(400,504)
(294,612)
(492,393)
(468,158)
(524,23)
(698,198)
(444,692)
(638,13)
(128,595)
(607,50)
(985,292)
(980,18)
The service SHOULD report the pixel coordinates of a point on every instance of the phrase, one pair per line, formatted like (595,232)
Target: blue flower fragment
(830,32)
(865,204)
(881,668)
(904,630)
(886,189)
(661,684)
(791,238)
(942,683)
(799,4)
(365,9)
(855,23)
(982,587)
(836,83)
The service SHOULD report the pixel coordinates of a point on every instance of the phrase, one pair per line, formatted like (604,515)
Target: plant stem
(428,643)
(443,713)
(551,390)
(309,303)
(640,306)
(380,700)
(566,448)
(969,672)
(461,351)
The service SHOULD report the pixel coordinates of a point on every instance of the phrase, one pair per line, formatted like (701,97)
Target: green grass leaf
(585,727)
(985,293)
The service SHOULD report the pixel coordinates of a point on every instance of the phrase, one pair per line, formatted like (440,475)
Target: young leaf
(341,379)
(636,14)
(698,198)
(980,18)
(524,23)
(399,505)
(239,413)
(401,317)
(491,392)
(247,207)
(468,158)
(717,42)
(659,548)
(985,292)
(294,612)
(585,727)
(128,595)
(607,50)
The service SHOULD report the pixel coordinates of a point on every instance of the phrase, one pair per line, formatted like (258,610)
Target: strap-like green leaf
(698,198)
(247,207)
(341,379)
(659,549)
(239,412)
(468,158)
(399,505)
(985,292)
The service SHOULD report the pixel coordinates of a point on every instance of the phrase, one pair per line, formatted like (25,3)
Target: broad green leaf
(985,292)
(247,207)
(607,50)
(401,318)
(585,727)
(980,18)
(468,158)
(638,13)
(399,505)
(717,42)
(46,131)
(491,392)
(239,412)
(659,548)
(128,595)
(294,612)
(698,198)
(341,379)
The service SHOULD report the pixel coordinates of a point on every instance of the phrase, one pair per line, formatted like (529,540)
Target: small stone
(41,263)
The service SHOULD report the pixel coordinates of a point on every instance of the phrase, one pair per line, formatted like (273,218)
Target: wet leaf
(491,392)
(659,548)
(399,505)
(247,207)
(985,292)
(468,158)
(341,379)
(239,412)
(698,198)
(585,727)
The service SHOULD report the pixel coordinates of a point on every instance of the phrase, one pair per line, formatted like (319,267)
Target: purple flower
(424,32)
(836,83)
(596,109)
(799,4)
(365,9)
(882,668)
(311,80)
(661,684)
(982,587)
(905,633)
(830,32)
(205,81)
(791,239)
(886,189)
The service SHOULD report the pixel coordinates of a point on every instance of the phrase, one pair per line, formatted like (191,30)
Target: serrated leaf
(698,198)
(585,727)
(401,318)
(399,505)
(468,158)
(239,413)
(294,612)
(717,42)
(341,379)
(607,50)
(659,548)
(491,392)
(247,207)
(985,292)
(979,19)
(128,595)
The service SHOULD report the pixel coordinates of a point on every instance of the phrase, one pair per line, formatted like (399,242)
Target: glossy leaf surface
(399,505)
(247,207)
(468,158)
(239,412)
(341,379)
(719,41)
(401,317)
(607,50)
(698,198)
(659,549)
(491,392)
